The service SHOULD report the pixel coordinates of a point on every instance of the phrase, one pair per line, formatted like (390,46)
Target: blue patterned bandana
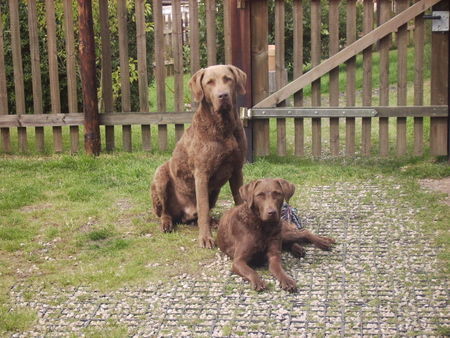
(290,214)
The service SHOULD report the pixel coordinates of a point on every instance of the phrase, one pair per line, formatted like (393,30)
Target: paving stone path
(382,279)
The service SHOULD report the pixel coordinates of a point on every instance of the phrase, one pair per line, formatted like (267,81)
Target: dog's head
(217,85)
(265,197)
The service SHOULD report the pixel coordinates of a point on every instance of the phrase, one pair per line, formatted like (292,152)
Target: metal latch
(440,21)
(245,114)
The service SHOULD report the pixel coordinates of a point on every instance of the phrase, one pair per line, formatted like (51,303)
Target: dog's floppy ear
(240,77)
(246,192)
(287,187)
(195,83)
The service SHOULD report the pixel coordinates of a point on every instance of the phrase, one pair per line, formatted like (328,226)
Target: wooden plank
(194,35)
(366,124)
(53,71)
(35,70)
(298,71)
(315,60)
(226,31)
(260,83)
(345,54)
(19,88)
(142,69)
(402,71)
(333,46)
(280,71)
(107,92)
(4,132)
(385,12)
(124,70)
(419,39)
(211,32)
(351,79)
(160,70)
(178,63)
(439,85)
(71,72)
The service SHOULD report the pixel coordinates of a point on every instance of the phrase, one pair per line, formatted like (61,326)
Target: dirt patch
(440,185)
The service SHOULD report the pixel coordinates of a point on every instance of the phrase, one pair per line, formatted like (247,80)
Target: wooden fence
(259,27)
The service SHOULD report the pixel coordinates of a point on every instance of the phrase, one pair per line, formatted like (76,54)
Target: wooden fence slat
(385,13)
(53,71)
(260,83)
(124,70)
(227,32)
(334,75)
(35,70)
(298,71)
(402,71)
(419,39)
(439,85)
(280,71)
(211,32)
(315,60)
(160,70)
(142,69)
(178,63)
(107,92)
(19,88)
(4,132)
(194,36)
(351,79)
(71,72)
(366,132)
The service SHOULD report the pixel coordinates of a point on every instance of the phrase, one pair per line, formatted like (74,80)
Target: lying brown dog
(253,232)
(210,153)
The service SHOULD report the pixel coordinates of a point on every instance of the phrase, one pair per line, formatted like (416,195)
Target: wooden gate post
(239,31)
(88,79)
(439,85)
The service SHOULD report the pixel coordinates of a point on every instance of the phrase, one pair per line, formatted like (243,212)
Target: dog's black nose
(272,212)
(223,96)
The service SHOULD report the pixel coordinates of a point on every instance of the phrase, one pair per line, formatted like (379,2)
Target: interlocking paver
(381,279)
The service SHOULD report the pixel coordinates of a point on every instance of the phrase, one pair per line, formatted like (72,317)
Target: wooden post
(439,85)
(4,132)
(88,79)
(298,71)
(240,55)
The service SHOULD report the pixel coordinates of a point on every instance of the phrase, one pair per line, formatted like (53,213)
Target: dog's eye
(260,195)
(276,194)
(210,82)
(227,79)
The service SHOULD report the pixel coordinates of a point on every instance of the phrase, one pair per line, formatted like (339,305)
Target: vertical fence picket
(19,88)
(419,38)
(53,71)
(385,13)
(260,83)
(279,71)
(334,75)
(351,79)
(315,60)
(298,70)
(227,31)
(142,70)
(107,91)
(211,32)
(178,63)
(35,70)
(160,70)
(194,36)
(366,132)
(402,72)
(4,132)
(124,70)
(71,72)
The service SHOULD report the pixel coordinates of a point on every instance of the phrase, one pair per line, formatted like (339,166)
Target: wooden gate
(391,35)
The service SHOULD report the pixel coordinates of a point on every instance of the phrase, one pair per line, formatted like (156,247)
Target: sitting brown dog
(253,232)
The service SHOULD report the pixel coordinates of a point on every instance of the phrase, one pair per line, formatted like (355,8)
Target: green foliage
(15,320)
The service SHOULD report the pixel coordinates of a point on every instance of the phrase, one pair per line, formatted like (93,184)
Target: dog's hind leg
(160,196)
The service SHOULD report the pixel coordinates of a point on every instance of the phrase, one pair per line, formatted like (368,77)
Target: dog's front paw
(288,284)
(258,284)
(324,243)
(206,242)
(166,224)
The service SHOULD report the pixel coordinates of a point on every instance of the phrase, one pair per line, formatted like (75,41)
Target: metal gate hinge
(440,21)
(245,113)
